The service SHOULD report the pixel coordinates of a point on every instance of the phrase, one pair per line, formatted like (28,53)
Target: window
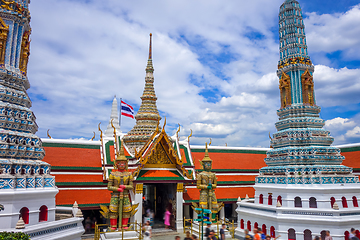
(346,235)
(307,235)
(312,203)
(24,213)
(43,215)
(249,225)
(291,234)
(263,229)
(297,202)
(355,201)
(344,202)
(332,201)
(270,199)
(242,224)
(272,231)
(279,199)
(256,225)
(261,199)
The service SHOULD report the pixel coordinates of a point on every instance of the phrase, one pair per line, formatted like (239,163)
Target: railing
(231,226)
(188,226)
(133,226)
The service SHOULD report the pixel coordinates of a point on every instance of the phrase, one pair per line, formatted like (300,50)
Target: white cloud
(334,32)
(339,123)
(354,133)
(336,87)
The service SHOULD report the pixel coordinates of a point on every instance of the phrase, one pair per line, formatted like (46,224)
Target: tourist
(256,234)
(352,235)
(222,232)
(212,235)
(262,235)
(88,225)
(207,231)
(247,235)
(268,237)
(177,237)
(167,218)
(328,237)
(147,231)
(187,236)
(317,238)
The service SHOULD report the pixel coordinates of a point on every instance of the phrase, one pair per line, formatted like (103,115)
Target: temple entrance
(159,197)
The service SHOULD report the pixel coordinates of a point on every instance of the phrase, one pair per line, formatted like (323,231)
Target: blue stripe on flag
(126,108)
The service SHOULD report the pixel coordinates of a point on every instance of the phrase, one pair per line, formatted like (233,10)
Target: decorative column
(222,213)
(138,199)
(195,215)
(179,207)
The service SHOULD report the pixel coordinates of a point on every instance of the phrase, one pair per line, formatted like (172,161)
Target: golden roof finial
(210,142)
(101,133)
(92,139)
(164,124)
(150,53)
(189,136)
(48,133)
(177,132)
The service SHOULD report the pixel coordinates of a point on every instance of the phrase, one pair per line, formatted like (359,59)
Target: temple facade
(165,167)
(27,190)
(304,190)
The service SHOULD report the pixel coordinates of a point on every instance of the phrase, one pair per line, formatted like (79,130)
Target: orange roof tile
(221,193)
(159,173)
(236,177)
(352,159)
(82,157)
(77,178)
(225,160)
(88,196)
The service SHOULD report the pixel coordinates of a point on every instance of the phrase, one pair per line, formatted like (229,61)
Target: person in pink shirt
(167,218)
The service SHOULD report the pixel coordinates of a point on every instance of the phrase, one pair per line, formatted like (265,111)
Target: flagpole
(120,114)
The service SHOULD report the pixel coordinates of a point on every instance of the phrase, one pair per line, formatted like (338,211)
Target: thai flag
(126,110)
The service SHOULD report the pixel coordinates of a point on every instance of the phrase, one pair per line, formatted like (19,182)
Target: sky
(215,66)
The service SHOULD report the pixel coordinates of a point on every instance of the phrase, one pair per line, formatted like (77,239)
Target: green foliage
(13,236)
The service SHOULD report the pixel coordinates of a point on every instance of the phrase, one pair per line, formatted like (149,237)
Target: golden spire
(147,117)
(150,53)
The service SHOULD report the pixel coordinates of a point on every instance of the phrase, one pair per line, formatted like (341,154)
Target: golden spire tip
(150,54)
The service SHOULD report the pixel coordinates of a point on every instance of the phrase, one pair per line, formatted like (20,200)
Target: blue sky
(214,63)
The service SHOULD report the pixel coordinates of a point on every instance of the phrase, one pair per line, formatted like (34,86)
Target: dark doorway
(158,198)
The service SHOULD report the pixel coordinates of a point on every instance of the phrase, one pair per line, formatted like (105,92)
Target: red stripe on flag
(127,115)
(124,103)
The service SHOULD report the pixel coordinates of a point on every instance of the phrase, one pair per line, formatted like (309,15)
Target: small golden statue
(120,183)
(207,182)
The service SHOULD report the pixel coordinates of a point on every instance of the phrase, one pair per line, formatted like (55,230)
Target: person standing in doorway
(167,218)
